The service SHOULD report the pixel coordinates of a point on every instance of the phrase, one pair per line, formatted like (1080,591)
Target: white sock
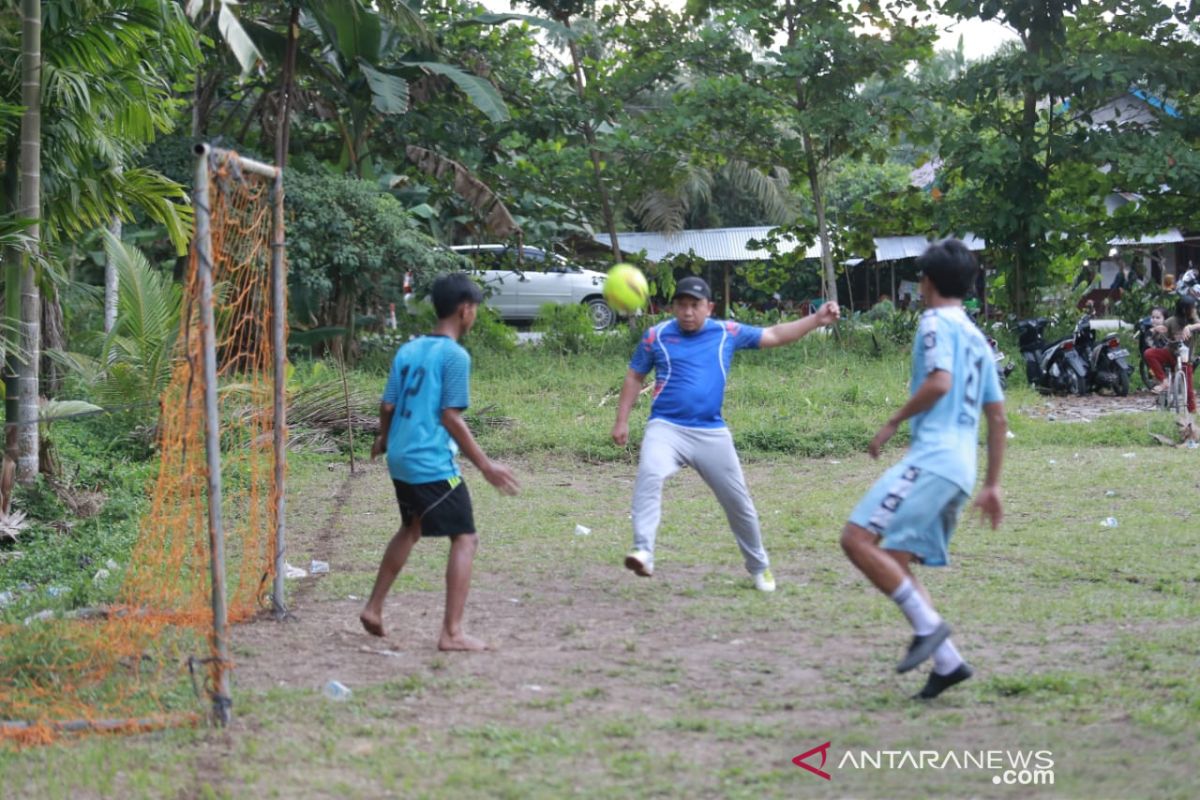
(921,615)
(946,658)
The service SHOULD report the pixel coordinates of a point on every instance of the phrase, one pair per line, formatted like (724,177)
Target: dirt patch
(1089,407)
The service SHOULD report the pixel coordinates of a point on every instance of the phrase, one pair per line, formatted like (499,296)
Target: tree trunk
(589,134)
(54,337)
(110,281)
(202,101)
(31,203)
(342,347)
(283,127)
(726,300)
(1024,243)
(829,279)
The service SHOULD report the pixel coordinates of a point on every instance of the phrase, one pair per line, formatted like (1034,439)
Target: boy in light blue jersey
(691,355)
(910,513)
(421,430)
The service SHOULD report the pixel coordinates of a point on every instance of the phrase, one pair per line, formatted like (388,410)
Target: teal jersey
(428,375)
(945,439)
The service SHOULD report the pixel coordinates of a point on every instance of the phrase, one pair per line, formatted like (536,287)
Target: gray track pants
(709,451)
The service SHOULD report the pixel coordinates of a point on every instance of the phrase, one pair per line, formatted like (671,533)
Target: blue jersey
(690,369)
(428,375)
(945,438)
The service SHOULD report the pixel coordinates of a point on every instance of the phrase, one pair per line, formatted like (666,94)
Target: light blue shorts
(914,511)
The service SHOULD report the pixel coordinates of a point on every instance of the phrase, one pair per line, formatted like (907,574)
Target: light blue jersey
(945,438)
(429,375)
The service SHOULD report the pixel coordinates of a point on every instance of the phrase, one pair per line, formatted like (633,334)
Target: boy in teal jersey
(421,430)
(910,512)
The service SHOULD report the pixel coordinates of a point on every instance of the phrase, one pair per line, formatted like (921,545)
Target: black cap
(693,287)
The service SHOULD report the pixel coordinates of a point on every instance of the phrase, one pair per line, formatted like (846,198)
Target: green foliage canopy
(349,245)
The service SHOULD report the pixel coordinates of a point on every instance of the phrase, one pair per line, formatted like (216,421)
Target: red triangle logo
(823,750)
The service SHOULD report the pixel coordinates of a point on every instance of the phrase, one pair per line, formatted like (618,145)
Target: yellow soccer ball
(626,289)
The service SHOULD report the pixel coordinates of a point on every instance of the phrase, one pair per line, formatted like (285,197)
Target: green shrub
(1136,302)
(349,245)
(490,334)
(565,328)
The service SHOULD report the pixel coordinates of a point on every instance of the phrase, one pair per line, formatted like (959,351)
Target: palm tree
(22,282)
(96,86)
(136,356)
(687,200)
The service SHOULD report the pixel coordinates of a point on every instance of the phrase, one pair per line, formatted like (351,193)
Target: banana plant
(363,61)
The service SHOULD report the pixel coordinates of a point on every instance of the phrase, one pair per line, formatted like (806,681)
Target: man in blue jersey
(421,429)
(910,513)
(691,355)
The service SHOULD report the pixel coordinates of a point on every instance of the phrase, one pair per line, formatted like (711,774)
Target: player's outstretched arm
(932,389)
(629,394)
(788,332)
(494,473)
(989,502)
(379,447)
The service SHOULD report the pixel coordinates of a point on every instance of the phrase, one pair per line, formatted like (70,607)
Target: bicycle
(1175,397)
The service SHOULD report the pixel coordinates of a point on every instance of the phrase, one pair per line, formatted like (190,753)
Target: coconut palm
(688,199)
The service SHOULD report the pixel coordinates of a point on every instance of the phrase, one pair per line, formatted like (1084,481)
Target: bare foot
(372,623)
(461,642)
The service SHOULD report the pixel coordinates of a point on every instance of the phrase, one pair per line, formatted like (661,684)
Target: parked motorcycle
(1109,364)
(1004,368)
(1056,366)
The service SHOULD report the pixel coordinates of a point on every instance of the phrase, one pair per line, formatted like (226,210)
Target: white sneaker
(641,562)
(764,581)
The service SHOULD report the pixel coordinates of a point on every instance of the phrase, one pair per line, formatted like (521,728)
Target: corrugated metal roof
(894,248)
(713,244)
(1169,236)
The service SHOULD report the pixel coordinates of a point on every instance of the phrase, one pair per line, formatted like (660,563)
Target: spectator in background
(1087,274)
(1124,278)
(1156,353)
(882,309)
(1180,328)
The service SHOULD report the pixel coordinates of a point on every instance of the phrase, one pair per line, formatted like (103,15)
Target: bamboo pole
(222,710)
(10,727)
(279,316)
(279,438)
(245,164)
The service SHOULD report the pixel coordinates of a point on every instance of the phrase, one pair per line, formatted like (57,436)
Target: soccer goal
(210,549)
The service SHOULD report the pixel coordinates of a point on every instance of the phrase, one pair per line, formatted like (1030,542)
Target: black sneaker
(922,647)
(940,683)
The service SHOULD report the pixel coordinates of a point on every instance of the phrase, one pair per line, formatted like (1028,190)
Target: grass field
(691,684)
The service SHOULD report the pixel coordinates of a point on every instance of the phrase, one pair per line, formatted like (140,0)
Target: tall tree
(1028,164)
(101,89)
(811,59)
(562,11)
(29,303)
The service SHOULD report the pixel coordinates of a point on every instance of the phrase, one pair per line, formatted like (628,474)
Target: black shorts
(443,507)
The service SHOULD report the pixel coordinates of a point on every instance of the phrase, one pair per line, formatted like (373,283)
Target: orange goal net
(151,657)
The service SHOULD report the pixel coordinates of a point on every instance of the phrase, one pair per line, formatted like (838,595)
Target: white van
(518,290)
